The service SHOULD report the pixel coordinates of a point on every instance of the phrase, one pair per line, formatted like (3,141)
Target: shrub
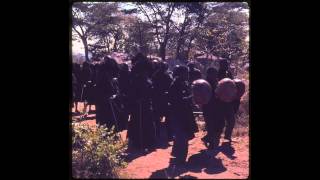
(96,152)
(243,114)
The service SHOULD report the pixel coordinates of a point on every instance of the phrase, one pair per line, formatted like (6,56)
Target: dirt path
(223,165)
(230,162)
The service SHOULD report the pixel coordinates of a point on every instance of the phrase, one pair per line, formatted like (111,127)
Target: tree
(80,25)
(213,28)
(225,31)
(93,21)
(193,14)
(160,16)
(140,37)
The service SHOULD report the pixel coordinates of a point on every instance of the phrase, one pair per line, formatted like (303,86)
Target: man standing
(183,121)
(141,130)
(161,82)
(194,73)
(224,71)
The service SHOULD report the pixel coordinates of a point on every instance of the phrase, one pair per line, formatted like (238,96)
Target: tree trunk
(155,47)
(105,42)
(140,41)
(189,47)
(162,51)
(178,49)
(180,39)
(165,41)
(108,44)
(86,51)
(115,45)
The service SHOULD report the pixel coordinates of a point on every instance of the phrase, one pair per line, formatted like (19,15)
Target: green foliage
(96,152)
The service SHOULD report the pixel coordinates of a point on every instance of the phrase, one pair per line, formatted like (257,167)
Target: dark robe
(161,82)
(183,121)
(141,130)
(104,90)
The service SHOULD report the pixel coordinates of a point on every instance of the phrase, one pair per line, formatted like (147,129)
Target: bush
(96,152)
(243,114)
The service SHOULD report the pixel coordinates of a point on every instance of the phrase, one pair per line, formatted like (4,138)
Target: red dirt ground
(224,165)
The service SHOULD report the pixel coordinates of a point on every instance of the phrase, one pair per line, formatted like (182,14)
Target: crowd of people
(147,97)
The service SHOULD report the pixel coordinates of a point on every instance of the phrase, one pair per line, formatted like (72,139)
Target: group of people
(146,96)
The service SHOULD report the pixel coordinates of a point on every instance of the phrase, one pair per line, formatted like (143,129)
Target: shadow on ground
(205,161)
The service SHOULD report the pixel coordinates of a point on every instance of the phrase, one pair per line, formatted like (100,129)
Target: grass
(240,131)
(124,175)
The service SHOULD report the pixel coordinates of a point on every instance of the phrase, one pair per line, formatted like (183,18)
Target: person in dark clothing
(175,70)
(222,115)
(117,103)
(76,69)
(194,73)
(224,71)
(216,113)
(212,77)
(235,107)
(241,87)
(209,110)
(106,71)
(141,130)
(168,122)
(155,66)
(183,121)
(124,78)
(161,82)
(138,57)
(89,85)
(122,101)
(228,108)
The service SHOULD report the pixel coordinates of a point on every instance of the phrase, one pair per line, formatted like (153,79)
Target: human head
(155,65)
(142,67)
(85,65)
(191,65)
(138,57)
(110,66)
(182,72)
(212,73)
(124,67)
(241,87)
(174,74)
(223,63)
(164,66)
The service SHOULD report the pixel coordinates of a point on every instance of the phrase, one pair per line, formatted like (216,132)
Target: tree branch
(146,14)
(159,12)
(79,34)
(82,31)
